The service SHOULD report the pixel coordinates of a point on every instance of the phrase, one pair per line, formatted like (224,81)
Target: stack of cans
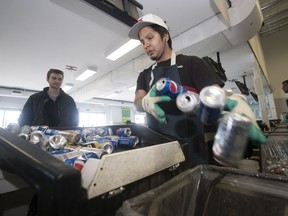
(75,147)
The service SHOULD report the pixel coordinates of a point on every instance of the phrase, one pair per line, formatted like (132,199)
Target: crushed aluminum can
(57,141)
(25,132)
(40,139)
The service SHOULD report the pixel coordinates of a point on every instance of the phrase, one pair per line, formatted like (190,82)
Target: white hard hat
(146,20)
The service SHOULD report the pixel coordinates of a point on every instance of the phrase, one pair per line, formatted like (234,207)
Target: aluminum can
(100,131)
(81,160)
(87,136)
(114,140)
(102,144)
(188,102)
(71,160)
(107,146)
(64,155)
(128,142)
(26,129)
(231,139)
(40,128)
(24,136)
(25,132)
(57,141)
(168,87)
(60,151)
(212,102)
(108,131)
(123,132)
(99,152)
(72,137)
(39,138)
(51,132)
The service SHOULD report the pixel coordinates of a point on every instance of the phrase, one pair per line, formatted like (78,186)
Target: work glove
(237,103)
(285,119)
(150,105)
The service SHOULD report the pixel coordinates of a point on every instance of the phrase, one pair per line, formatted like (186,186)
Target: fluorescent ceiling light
(86,74)
(67,87)
(127,47)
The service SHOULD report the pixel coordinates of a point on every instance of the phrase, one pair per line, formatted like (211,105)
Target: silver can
(25,132)
(107,146)
(231,139)
(212,102)
(40,139)
(99,152)
(188,102)
(57,141)
(123,132)
(100,131)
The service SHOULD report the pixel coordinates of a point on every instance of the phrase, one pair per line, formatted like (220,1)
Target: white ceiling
(38,35)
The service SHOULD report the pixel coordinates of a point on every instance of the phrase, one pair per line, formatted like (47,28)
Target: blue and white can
(212,103)
(128,142)
(168,87)
(123,132)
(231,139)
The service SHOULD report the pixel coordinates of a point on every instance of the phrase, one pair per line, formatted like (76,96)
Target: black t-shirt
(51,109)
(194,74)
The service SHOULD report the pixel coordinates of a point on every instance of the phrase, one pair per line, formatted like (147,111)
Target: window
(140,119)
(8,116)
(92,119)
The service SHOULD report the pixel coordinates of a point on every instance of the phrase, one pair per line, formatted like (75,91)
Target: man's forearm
(138,105)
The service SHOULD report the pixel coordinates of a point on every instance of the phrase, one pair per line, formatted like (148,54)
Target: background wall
(113,113)
(275,48)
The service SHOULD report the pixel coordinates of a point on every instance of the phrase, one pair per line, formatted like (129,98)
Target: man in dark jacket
(52,106)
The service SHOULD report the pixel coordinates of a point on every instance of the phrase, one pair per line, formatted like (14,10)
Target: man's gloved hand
(285,118)
(238,104)
(149,104)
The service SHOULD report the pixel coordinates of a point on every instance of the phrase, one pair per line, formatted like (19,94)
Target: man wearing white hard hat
(189,71)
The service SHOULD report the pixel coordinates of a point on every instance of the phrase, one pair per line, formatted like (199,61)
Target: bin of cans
(75,147)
